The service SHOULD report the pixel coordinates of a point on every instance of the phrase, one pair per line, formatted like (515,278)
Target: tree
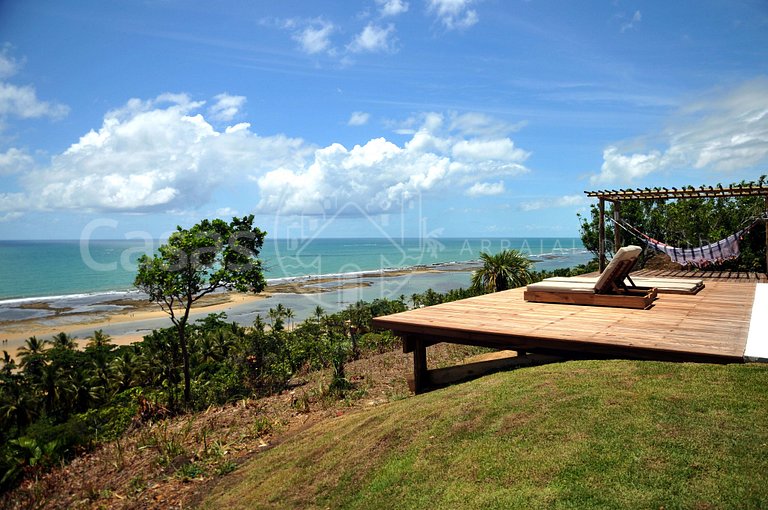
(687,223)
(505,270)
(195,262)
(99,340)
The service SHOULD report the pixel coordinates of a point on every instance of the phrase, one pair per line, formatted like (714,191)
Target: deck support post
(601,235)
(419,366)
(616,229)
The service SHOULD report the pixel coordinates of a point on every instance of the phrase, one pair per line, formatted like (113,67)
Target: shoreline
(128,311)
(128,316)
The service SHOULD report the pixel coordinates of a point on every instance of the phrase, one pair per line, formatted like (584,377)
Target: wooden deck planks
(712,324)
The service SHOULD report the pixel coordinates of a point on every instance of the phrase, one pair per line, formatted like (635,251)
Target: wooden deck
(711,326)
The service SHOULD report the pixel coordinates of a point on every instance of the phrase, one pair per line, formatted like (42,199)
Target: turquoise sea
(44,269)
(73,277)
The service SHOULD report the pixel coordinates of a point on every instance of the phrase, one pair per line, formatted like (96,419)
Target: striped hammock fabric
(714,253)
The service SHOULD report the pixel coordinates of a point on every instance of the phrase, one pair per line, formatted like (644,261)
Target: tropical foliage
(502,271)
(209,256)
(59,400)
(688,223)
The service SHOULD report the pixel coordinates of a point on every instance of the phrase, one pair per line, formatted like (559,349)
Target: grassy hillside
(594,434)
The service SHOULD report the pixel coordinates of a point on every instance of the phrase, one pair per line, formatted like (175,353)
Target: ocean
(42,269)
(85,276)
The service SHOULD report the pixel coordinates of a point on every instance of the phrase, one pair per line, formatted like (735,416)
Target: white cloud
(629,25)
(21,100)
(10,216)
(14,161)
(315,37)
(158,154)
(552,202)
(392,7)
(480,124)
(226,107)
(163,154)
(453,14)
(358,119)
(8,64)
(486,189)
(722,133)
(226,212)
(374,39)
(379,175)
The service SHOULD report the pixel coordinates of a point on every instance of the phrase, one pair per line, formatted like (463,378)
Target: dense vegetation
(689,223)
(58,400)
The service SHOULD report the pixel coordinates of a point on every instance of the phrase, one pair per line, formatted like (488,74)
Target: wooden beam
(664,193)
(765,222)
(601,235)
(616,228)
(420,373)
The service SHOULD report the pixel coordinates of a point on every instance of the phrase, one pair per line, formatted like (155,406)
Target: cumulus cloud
(315,37)
(724,133)
(358,119)
(226,107)
(374,39)
(392,7)
(548,203)
(159,154)
(453,14)
(21,100)
(480,189)
(14,161)
(379,174)
(163,154)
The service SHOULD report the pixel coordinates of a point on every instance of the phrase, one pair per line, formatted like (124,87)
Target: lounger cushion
(619,268)
(664,285)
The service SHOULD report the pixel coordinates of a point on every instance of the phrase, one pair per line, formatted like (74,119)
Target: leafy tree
(505,270)
(195,262)
(687,223)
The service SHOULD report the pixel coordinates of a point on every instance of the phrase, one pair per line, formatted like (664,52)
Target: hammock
(714,253)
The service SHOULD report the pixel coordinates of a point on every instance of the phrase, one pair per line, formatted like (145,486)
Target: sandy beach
(135,311)
(15,332)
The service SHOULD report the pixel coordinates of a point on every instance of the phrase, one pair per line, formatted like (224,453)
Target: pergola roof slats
(750,190)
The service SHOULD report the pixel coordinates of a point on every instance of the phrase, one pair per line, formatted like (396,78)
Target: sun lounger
(662,285)
(609,289)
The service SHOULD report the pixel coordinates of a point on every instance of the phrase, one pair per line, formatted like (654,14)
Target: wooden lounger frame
(634,297)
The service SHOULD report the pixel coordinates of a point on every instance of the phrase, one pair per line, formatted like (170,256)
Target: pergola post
(616,230)
(601,230)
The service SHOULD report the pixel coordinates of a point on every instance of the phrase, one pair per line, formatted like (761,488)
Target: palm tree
(32,356)
(127,370)
(505,270)
(63,341)
(32,347)
(18,405)
(99,339)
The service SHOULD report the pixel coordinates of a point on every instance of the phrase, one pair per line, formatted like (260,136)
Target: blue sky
(449,118)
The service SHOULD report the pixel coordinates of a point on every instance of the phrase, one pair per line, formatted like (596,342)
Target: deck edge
(756,349)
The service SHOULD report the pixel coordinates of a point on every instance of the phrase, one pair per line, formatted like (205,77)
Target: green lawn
(591,434)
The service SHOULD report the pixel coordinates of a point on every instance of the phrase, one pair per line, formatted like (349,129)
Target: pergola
(617,196)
